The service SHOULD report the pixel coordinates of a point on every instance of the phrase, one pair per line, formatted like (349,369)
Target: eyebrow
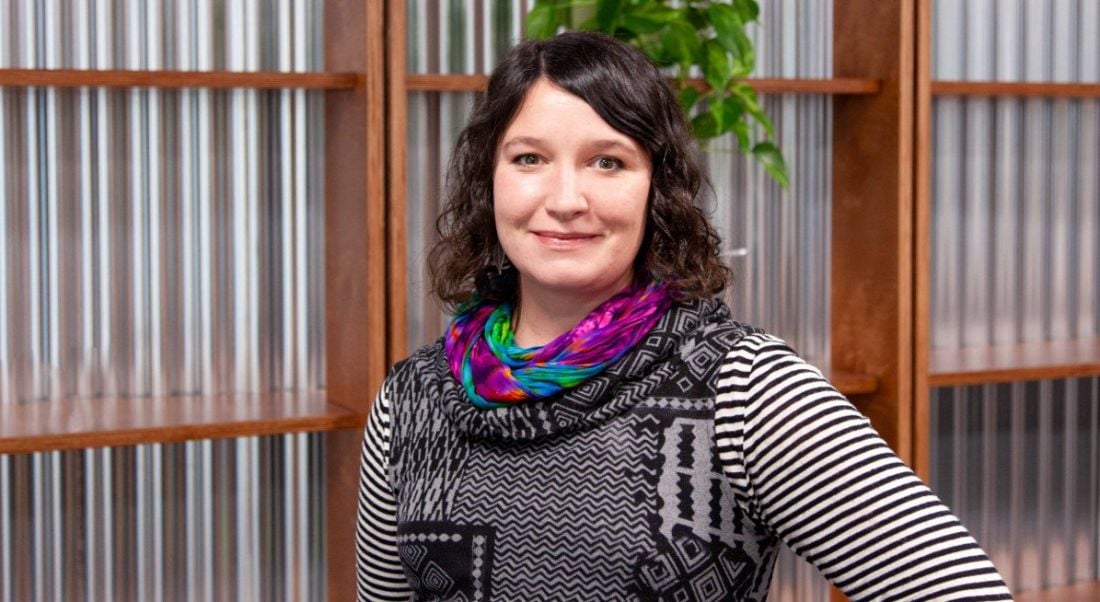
(601,145)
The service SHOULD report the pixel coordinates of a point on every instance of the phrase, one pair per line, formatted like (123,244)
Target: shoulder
(706,331)
(763,379)
(411,373)
(759,357)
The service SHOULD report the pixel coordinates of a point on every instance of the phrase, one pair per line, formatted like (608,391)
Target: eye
(608,163)
(526,160)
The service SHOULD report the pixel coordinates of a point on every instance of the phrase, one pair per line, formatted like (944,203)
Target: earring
(497,281)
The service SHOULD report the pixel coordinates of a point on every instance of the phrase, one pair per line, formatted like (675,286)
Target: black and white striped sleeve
(803,461)
(379,575)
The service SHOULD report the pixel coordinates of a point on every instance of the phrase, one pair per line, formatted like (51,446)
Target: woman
(594,425)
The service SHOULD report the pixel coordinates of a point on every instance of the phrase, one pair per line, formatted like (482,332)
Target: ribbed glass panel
(1020,464)
(1015,40)
(155,243)
(777,242)
(207,35)
(1015,208)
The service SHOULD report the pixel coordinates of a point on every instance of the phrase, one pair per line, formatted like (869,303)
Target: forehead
(551,113)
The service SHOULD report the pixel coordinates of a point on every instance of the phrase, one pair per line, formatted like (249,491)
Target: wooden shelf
(81,423)
(75,78)
(1082,592)
(444,82)
(1006,363)
(1042,89)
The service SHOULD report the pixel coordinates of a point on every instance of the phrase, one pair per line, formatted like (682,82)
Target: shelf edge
(115,78)
(1025,89)
(452,82)
(68,424)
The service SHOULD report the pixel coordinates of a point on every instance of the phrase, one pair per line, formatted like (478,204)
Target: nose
(566,200)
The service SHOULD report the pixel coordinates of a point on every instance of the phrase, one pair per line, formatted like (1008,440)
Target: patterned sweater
(673,475)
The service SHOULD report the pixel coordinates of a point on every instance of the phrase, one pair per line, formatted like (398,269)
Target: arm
(379,575)
(803,461)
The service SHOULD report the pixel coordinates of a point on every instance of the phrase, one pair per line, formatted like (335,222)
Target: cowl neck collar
(601,397)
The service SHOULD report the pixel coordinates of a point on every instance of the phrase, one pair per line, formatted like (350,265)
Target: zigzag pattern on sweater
(537,499)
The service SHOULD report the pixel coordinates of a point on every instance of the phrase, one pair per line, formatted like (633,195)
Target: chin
(579,283)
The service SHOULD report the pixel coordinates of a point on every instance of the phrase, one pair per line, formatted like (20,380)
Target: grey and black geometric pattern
(447,561)
(611,491)
(688,567)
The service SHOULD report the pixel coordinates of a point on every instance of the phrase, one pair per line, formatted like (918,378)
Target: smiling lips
(564,240)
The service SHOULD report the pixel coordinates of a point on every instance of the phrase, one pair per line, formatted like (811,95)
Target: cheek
(509,196)
(631,207)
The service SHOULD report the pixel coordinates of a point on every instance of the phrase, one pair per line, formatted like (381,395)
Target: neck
(543,315)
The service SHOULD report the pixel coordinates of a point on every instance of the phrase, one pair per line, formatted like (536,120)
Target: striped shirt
(801,462)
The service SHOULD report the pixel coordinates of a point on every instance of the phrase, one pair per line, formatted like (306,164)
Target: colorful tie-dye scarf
(481,350)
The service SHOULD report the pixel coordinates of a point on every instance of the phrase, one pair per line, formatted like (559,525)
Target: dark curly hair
(629,93)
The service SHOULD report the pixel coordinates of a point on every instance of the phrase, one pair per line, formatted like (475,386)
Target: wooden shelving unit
(355,283)
(993,364)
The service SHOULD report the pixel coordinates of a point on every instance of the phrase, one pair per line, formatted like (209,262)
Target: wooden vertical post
(397,178)
(923,241)
(355,260)
(872,258)
(872,225)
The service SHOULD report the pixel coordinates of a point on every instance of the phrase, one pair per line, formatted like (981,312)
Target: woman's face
(569,197)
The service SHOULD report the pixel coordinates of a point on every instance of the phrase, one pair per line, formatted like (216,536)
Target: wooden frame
(355,260)
(922,254)
(872,264)
(397,179)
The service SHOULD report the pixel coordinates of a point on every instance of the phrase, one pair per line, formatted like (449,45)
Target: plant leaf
(749,10)
(655,50)
(748,99)
(741,132)
(696,17)
(607,14)
(717,69)
(746,56)
(542,21)
(648,17)
(730,111)
(703,126)
(688,96)
(771,158)
(726,24)
(681,42)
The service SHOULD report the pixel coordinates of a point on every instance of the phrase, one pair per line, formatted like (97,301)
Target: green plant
(707,34)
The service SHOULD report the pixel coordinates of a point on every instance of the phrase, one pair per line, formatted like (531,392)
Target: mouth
(563,235)
(564,240)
